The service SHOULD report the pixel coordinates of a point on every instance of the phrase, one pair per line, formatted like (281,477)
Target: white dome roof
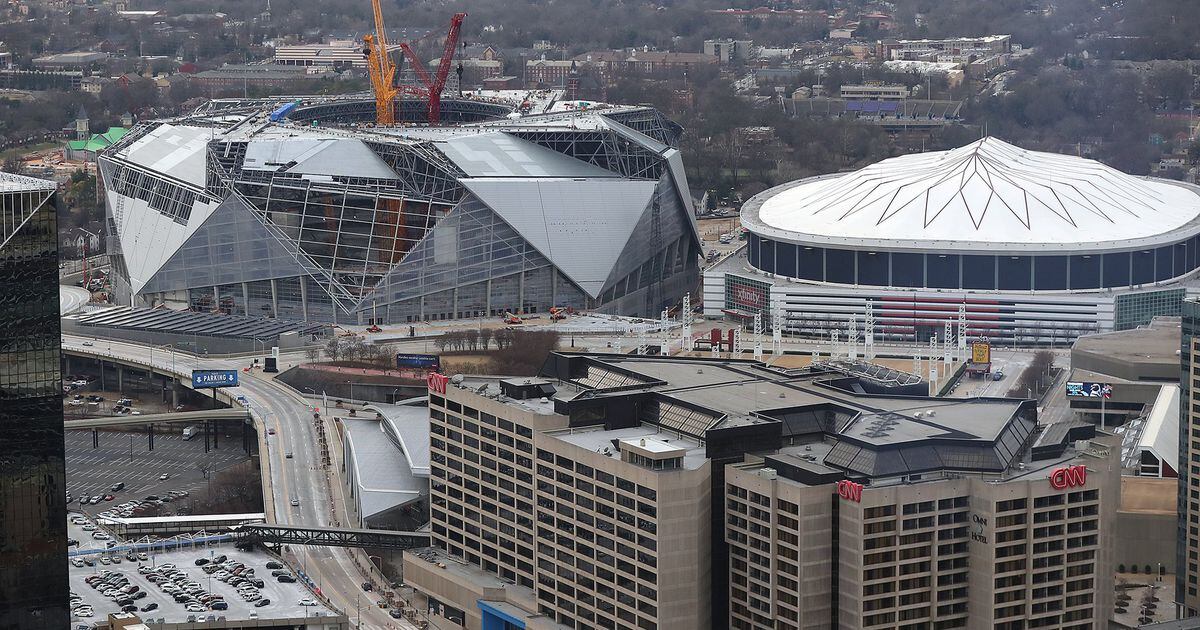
(983,195)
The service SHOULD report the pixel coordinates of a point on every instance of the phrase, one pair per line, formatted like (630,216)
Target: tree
(333,348)
(312,353)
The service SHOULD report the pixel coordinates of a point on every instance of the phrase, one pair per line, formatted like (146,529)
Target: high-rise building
(1187,554)
(651,492)
(33,527)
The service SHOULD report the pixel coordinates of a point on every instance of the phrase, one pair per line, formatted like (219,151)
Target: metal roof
(190,323)
(498,154)
(580,225)
(986,195)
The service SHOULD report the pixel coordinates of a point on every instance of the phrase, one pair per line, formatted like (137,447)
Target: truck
(190,432)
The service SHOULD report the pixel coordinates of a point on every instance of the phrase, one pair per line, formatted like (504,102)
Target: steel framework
(331,537)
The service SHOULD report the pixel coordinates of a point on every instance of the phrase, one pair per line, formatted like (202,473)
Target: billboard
(981,352)
(428,361)
(746,294)
(1084,389)
(214,378)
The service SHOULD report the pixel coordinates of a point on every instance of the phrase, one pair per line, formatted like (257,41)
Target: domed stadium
(1035,246)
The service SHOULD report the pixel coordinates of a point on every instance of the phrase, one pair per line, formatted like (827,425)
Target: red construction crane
(431,87)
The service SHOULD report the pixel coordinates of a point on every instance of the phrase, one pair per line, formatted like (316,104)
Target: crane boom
(382,69)
(435,90)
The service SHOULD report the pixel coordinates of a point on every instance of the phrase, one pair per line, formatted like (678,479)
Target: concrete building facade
(651,492)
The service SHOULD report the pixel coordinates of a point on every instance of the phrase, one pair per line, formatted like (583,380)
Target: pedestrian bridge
(160,418)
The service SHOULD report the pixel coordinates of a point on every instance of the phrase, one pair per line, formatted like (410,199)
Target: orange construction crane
(382,70)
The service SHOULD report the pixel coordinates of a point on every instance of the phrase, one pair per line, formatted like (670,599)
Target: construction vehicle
(557,313)
(509,318)
(383,70)
(374,328)
(431,87)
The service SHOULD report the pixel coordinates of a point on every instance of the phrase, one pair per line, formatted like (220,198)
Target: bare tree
(333,348)
(485,338)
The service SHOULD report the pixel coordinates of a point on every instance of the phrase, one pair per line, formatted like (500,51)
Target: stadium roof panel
(984,195)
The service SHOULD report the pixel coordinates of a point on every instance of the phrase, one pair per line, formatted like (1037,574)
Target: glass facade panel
(873,268)
(785,259)
(1085,272)
(1164,266)
(979,272)
(1050,273)
(1142,267)
(1014,272)
(812,263)
(766,255)
(33,527)
(943,271)
(908,270)
(1180,259)
(839,266)
(1137,309)
(1116,269)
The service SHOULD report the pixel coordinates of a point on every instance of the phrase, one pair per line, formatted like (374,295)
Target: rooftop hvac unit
(768,473)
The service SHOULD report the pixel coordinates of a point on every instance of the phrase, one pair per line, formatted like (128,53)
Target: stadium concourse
(1029,247)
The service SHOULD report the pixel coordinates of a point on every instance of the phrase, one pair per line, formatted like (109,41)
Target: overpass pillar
(120,378)
(103,381)
(174,394)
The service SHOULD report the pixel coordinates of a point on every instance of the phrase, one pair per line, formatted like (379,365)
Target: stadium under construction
(304,209)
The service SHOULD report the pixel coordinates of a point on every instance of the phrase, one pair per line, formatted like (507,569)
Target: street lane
(300,476)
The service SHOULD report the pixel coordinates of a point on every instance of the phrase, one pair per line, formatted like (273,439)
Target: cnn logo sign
(437,382)
(850,490)
(1068,477)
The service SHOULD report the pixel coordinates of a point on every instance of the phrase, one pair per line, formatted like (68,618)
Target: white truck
(190,432)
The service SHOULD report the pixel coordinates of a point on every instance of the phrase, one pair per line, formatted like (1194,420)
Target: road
(300,477)
(71,299)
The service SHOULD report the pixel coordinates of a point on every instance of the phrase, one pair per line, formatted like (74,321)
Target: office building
(650,492)
(1035,247)
(33,519)
(1187,554)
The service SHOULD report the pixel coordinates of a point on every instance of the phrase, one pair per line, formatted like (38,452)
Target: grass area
(33,148)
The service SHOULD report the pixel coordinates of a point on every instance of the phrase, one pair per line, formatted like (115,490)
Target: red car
(108,497)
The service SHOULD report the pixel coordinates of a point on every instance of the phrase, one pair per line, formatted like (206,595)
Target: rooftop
(986,195)
(1158,341)
(383,477)
(600,440)
(870,429)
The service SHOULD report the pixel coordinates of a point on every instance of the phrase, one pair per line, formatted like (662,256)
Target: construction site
(406,205)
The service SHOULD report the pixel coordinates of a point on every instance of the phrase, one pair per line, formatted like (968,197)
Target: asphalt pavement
(300,477)
(124,457)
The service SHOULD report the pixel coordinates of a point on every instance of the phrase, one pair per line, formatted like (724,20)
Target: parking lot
(285,598)
(124,457)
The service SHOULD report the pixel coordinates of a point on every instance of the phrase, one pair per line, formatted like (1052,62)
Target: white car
(195,608)
(83,611)
(164,477)
(306,602)
(101,536)
(76,562)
